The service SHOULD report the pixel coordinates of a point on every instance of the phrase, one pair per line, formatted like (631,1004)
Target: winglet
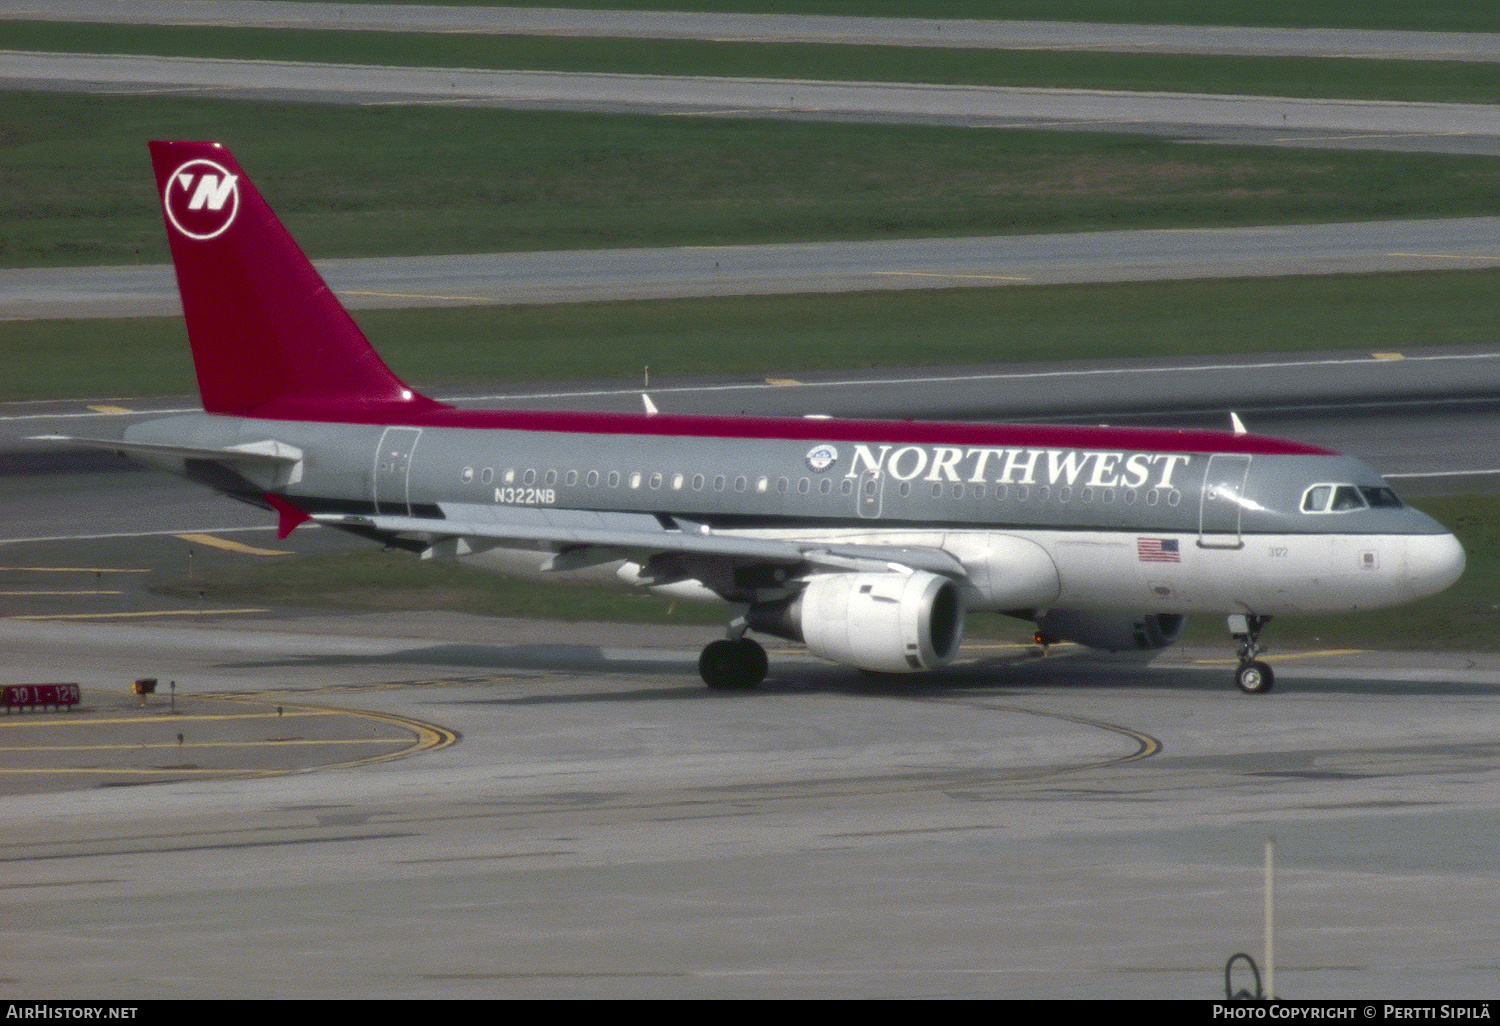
(289,516)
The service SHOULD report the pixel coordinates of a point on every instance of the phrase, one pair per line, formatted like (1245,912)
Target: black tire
(728,665)
(1255,678)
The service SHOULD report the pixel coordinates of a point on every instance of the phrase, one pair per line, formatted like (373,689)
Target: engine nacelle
(1113,632)
(887,622)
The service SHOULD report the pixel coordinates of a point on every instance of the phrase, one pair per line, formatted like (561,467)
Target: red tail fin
(269,339)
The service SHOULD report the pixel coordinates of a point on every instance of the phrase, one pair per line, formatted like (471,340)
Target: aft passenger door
(392,481)
(1222,501)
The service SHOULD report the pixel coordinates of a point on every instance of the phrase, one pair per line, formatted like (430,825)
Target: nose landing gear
(1253,676)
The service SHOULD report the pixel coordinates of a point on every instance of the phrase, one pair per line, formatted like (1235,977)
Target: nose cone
(1433,563)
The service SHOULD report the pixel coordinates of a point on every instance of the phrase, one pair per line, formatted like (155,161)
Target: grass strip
(1464,619)
(1413,81)
(781,336)
(76,186)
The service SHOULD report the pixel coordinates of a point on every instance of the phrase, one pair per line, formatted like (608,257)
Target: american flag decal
(1157,550)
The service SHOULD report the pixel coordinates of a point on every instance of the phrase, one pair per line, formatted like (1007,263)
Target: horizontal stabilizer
(267,451)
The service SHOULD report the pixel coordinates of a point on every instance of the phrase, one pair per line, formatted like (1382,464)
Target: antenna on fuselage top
(651,409)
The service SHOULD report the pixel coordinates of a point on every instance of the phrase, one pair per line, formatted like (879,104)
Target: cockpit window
(1315,499)
(1381,498)
(1344,498)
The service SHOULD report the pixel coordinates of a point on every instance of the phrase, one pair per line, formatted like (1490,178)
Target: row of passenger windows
(1344,498)
(823,486)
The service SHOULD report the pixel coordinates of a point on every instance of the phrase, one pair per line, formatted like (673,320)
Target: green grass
(1274,76)
(759,336)
(377,181)
(790,334)
(1466,618)
(1448,15)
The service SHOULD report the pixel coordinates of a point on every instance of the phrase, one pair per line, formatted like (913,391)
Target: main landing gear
(1253,676)
(732,664)
(735,663)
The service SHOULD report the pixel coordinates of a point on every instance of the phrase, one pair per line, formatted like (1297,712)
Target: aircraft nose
(1434,562)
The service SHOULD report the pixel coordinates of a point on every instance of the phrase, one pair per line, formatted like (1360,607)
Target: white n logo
(211,191)
(202,199)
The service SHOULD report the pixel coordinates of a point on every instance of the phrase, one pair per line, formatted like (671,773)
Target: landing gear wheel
(1254,677)
(736,665)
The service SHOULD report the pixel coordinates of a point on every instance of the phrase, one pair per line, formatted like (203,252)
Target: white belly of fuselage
(1127,570)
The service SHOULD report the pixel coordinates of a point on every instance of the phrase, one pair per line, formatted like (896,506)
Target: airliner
(867,541)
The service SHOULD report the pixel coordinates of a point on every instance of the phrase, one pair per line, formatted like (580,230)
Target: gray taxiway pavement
(1434,127)
(1015,827)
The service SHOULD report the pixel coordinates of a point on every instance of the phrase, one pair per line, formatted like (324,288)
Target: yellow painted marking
(231,546)
(423,103)
(156,612)
(1389,356)
(422,295)
(1447,256)
(107,408)
(208,744)
(429,736)
(1371,135)
(781,382)
(150,720)
(117,770)
(939,274)
(15,594)
(1283,656)
(70,570)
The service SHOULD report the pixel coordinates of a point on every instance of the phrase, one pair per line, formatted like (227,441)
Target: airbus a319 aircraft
(865,540)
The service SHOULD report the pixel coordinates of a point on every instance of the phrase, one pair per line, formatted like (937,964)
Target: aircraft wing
(581,539)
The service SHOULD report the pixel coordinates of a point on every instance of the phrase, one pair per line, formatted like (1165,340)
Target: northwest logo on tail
(201,199)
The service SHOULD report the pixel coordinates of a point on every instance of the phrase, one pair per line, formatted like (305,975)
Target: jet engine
(887,622)
(1113,632)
